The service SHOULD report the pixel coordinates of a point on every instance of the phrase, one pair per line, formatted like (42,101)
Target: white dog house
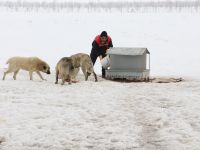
(128,63)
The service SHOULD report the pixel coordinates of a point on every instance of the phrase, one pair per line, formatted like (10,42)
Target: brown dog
(31,64)
(65,70)
(84,62)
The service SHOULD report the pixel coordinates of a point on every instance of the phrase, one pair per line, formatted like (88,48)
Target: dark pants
(93,56)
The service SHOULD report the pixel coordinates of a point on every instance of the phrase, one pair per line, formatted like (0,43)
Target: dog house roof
(134,51)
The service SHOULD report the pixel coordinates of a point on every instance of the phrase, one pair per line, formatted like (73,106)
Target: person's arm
(110,44)
(96,47)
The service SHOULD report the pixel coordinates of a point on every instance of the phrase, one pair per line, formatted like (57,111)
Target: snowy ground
(107,115)
(39,115)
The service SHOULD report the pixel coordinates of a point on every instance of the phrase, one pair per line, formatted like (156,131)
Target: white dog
(30,64)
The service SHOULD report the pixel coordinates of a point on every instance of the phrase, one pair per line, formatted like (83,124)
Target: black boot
(103,73)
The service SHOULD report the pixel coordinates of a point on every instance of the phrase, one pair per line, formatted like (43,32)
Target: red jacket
(100,49)
(98,41)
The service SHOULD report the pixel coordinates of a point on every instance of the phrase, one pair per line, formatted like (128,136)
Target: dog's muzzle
(48,72)
(88,73)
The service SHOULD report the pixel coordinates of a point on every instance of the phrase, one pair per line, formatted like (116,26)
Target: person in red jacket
(100,45)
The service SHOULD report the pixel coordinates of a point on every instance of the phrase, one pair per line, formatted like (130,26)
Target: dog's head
(88,73)
(47,69)
(44,67)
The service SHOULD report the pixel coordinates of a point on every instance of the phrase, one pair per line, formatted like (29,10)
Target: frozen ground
(106,115)
(39,115)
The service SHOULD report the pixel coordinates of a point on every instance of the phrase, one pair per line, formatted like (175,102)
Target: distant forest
(123,6)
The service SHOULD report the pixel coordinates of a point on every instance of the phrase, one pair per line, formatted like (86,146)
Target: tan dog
(31,64)
(84,62)
(65,70)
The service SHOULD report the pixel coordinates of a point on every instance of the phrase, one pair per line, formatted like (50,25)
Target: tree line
(108,6)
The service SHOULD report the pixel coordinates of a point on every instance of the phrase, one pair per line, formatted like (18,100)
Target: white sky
(90,0)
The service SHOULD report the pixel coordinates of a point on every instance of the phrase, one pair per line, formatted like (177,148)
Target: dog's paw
(2,139)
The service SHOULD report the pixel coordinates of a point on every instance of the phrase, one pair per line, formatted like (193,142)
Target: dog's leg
(31,75)
(5,73)
(95,76)
(85,73)
(4,76)
(56,77)
(86,77)
(40,75)
(15,74)
(70,79)
(63,81)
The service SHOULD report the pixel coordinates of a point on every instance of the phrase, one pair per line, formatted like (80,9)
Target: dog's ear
(41,66)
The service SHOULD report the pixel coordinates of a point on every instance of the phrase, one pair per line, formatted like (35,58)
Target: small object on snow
(166,80)
(73,80)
